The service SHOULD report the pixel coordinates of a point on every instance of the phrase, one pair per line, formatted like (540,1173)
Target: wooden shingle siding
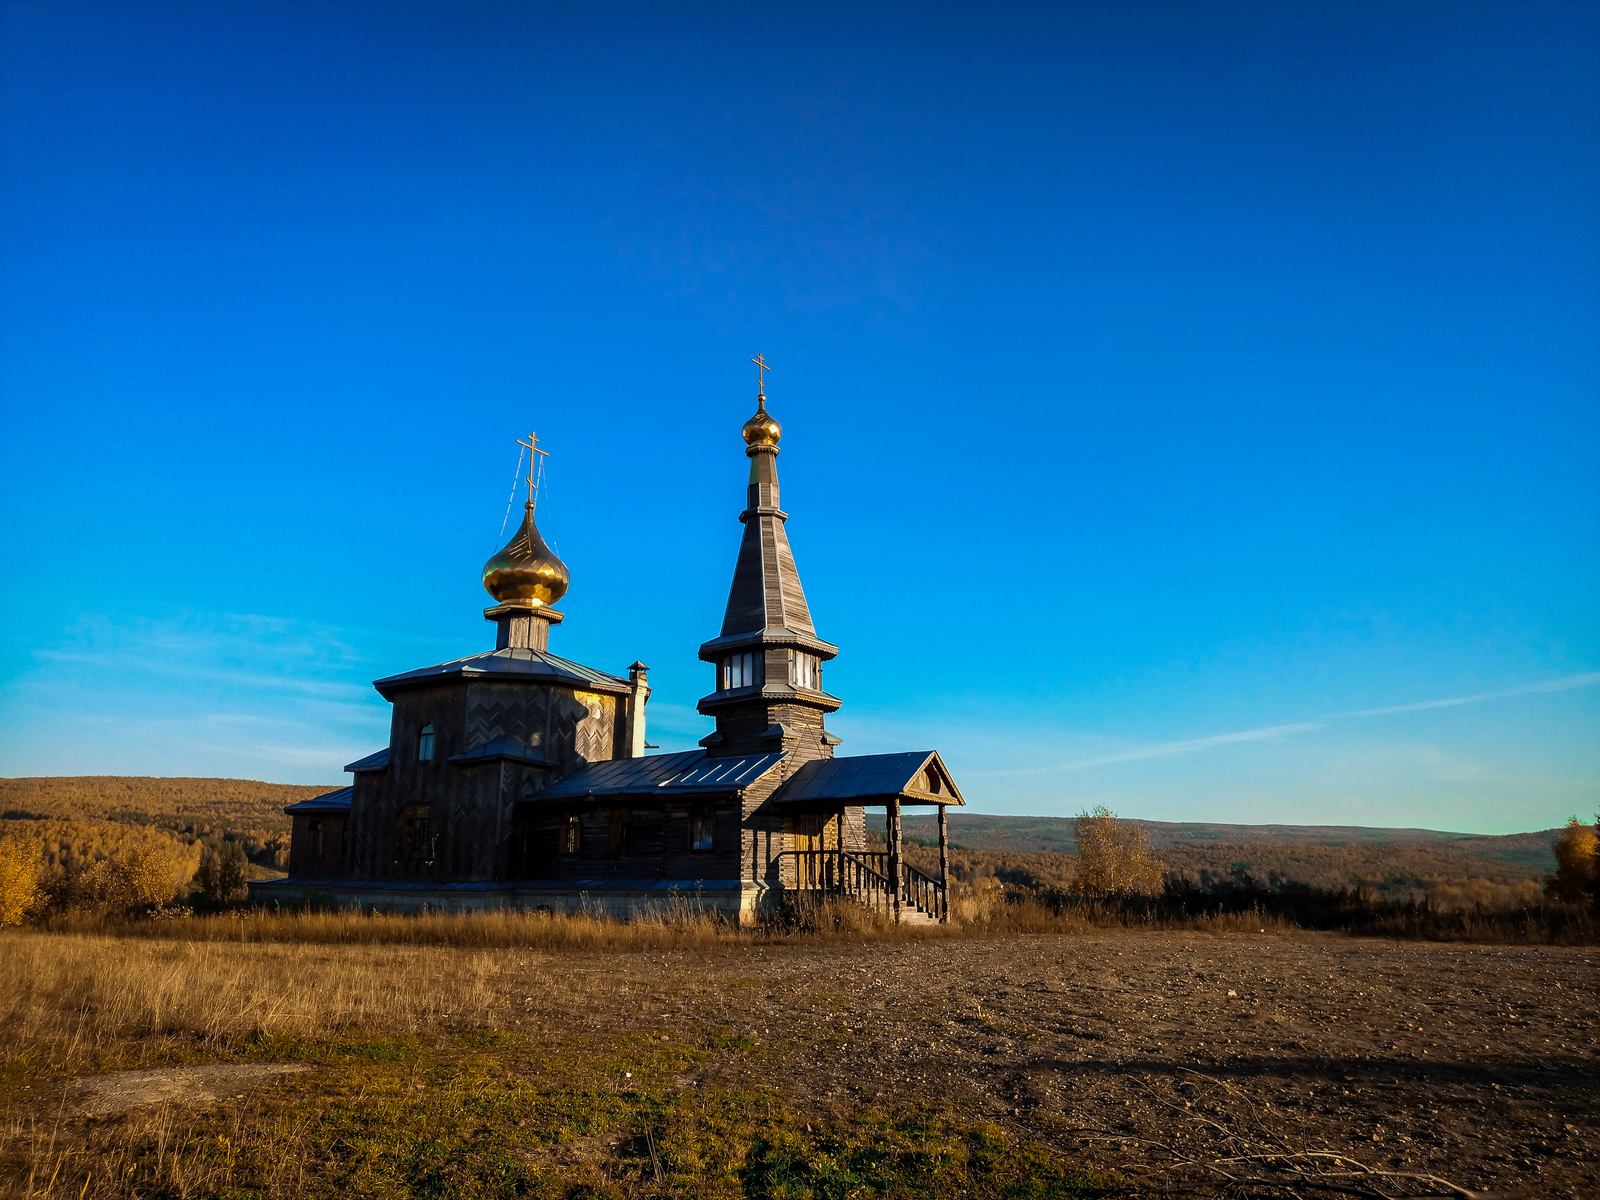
(472,804)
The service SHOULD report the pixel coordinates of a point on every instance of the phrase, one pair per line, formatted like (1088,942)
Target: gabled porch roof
(871,779)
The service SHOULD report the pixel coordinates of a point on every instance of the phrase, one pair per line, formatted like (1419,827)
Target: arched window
(425,744)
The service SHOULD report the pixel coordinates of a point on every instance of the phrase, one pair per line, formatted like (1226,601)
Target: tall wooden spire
(768,657)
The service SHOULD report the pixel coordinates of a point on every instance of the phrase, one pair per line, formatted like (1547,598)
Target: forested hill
(245,804)
(1036,835)
(134,799)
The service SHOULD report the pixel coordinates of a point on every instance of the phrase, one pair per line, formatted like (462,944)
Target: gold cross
(532,445)
(761,374)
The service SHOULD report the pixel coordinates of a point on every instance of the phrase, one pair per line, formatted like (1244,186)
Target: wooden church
(518,778)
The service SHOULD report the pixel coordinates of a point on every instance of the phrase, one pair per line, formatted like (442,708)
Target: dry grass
(93,996)
(676,928)
(76,1003)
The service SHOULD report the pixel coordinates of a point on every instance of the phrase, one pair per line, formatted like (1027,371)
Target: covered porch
(826,790)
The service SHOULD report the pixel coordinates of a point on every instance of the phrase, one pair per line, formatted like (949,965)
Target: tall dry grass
(74,1003)
(83,996)
(667,928)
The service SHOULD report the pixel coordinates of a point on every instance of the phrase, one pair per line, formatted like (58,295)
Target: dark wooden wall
(472,803)
(742,728)
(331,863)
(660,844)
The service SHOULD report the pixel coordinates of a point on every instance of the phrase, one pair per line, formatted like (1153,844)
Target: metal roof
(502,748)
(338,801)
(862,777)
(517,663)
(725,774)
(372,762)
(687,772)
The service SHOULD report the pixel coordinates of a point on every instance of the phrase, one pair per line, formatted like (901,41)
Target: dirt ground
(1139,1052)
(1476,1063)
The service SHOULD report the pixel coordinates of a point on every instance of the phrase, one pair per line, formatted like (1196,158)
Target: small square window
(805,671)
(739,671)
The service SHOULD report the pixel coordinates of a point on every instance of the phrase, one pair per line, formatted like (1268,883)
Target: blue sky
(1188,407)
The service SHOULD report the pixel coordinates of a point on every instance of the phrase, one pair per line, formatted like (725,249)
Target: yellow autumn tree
(1114,859)
(1576,849)
(19,878)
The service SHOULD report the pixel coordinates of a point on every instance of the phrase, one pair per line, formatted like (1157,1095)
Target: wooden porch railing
(863,876)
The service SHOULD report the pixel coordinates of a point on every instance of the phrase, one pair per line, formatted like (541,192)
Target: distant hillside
(1043,835)
(255,811)
(207,805)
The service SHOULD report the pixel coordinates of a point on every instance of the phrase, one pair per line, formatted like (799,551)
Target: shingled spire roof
(766,592)
(768,656)
(766,603)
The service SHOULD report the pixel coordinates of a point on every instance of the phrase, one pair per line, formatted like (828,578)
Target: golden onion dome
(527,571)
(761,429)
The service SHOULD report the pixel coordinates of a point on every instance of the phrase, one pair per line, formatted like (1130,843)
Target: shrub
(137,878)
(19,878)
(1114,859)
(1574,877)
(221,875)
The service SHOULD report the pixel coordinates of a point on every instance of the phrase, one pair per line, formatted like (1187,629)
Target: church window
(570,835)
(805,671)
(740,670)
(425,744)
(418,836)
(702,828)
(314,839)
(621,832)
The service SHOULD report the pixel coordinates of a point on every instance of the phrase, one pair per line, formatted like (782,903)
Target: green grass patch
(484,1115)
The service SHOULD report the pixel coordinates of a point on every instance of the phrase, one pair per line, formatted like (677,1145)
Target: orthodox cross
(532,445)
(761,374)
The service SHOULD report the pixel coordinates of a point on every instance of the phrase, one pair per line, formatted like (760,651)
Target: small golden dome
(761,429)
(527,570)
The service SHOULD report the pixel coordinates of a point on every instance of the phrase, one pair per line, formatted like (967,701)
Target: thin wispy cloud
(1565,684)
(178,670)
(1272,732)
(218,693)
(1192,745)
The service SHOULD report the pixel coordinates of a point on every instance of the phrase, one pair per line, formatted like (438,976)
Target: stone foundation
(737,901)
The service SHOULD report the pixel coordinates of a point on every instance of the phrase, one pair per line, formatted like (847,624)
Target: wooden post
(894,854)
(944,866)
(838,881)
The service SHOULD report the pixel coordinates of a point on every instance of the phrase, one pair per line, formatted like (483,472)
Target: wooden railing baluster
(863,876)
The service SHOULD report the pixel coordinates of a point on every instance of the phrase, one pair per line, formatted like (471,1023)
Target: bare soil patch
(189,1087)
(1480,1064)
